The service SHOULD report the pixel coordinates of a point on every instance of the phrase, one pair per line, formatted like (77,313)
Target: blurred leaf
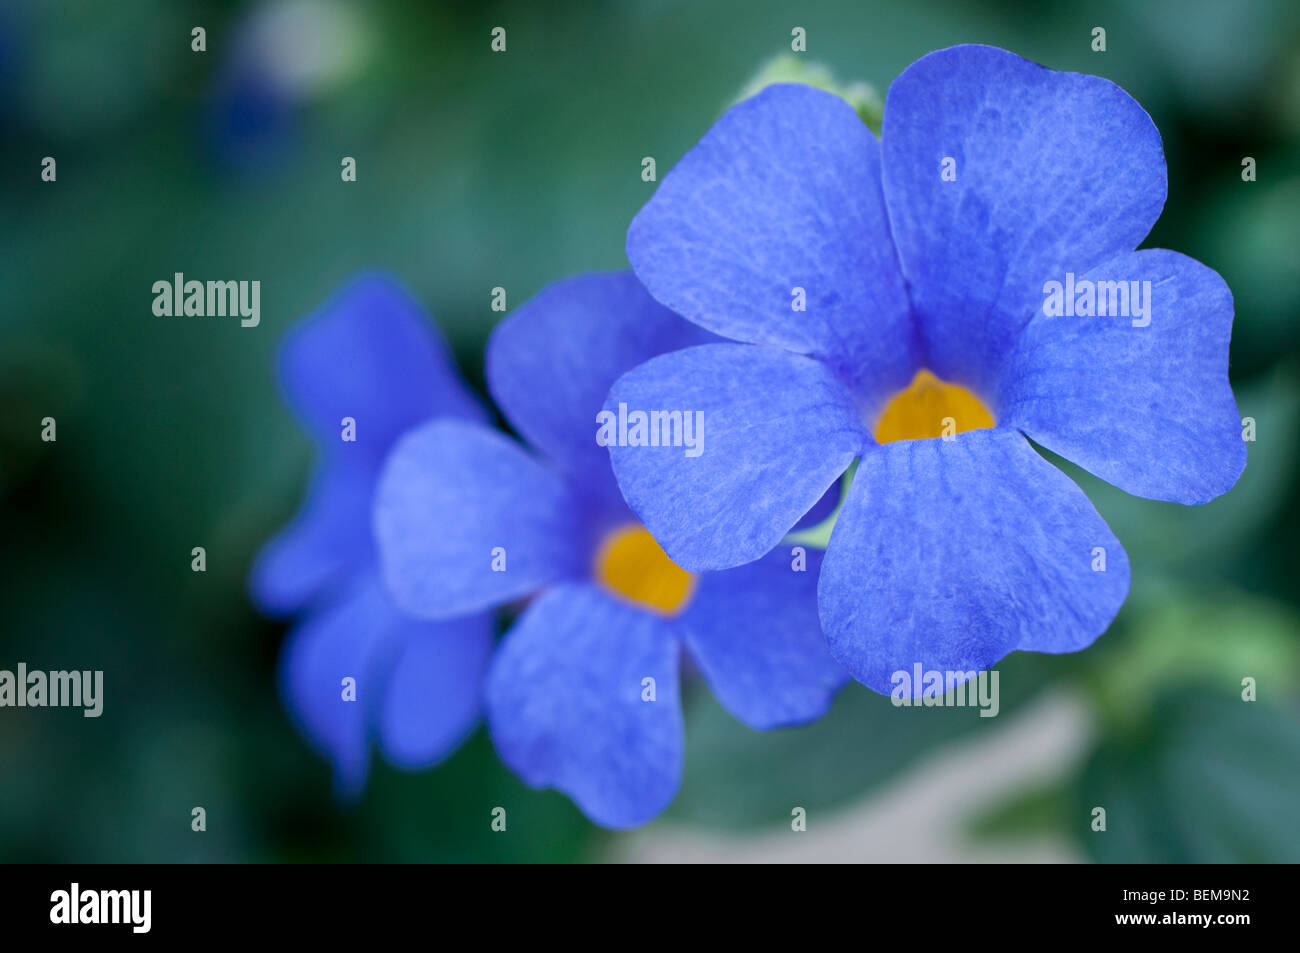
(1249,232)
(793,68)
(1034,812)
(1213,780)
(1193,39)
(445,815)
(739,778)
(1215,639)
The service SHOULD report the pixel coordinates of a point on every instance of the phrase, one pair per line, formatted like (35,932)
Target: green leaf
(1212,780)
(1213,640)
(1040,810)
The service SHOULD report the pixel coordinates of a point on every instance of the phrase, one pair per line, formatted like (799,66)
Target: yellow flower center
(929,407)
(632,565)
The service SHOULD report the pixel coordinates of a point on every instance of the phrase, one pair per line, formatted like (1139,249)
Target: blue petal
(369,354)
(434,691)
(783,193)
(1147,408)
(350,638)
(821,510)
(778,429)
(951,554)
(564,702)
(1054,172)
(373,355)
(454,499)
(755,634)
(552,361)
(327,541)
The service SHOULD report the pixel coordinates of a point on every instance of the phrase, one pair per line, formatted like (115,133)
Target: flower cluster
(813,315)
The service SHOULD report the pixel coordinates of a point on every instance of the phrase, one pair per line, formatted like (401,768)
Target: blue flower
(901,304)
(583,690)
(274,61)
(370,355)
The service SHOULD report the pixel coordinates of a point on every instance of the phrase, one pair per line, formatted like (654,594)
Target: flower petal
(782,193)
(435,688)
(466,520)
(327,541)
(1054,172)
(372,354)
(755,634)
(350,638)
(552,361)
(821,510)
(1146,407)
(951,554)
(777,430)
(564,702)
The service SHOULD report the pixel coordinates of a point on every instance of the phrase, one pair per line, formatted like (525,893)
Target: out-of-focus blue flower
(583,691)
(922,264)
(371,355)
(279,58)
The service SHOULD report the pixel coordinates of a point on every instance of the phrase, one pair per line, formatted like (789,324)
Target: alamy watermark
(24,689)
(1085,299)
(212,299)
(130,907)
(654,428)
(930,688)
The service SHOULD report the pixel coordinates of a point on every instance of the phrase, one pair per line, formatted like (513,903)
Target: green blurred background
(477,170)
